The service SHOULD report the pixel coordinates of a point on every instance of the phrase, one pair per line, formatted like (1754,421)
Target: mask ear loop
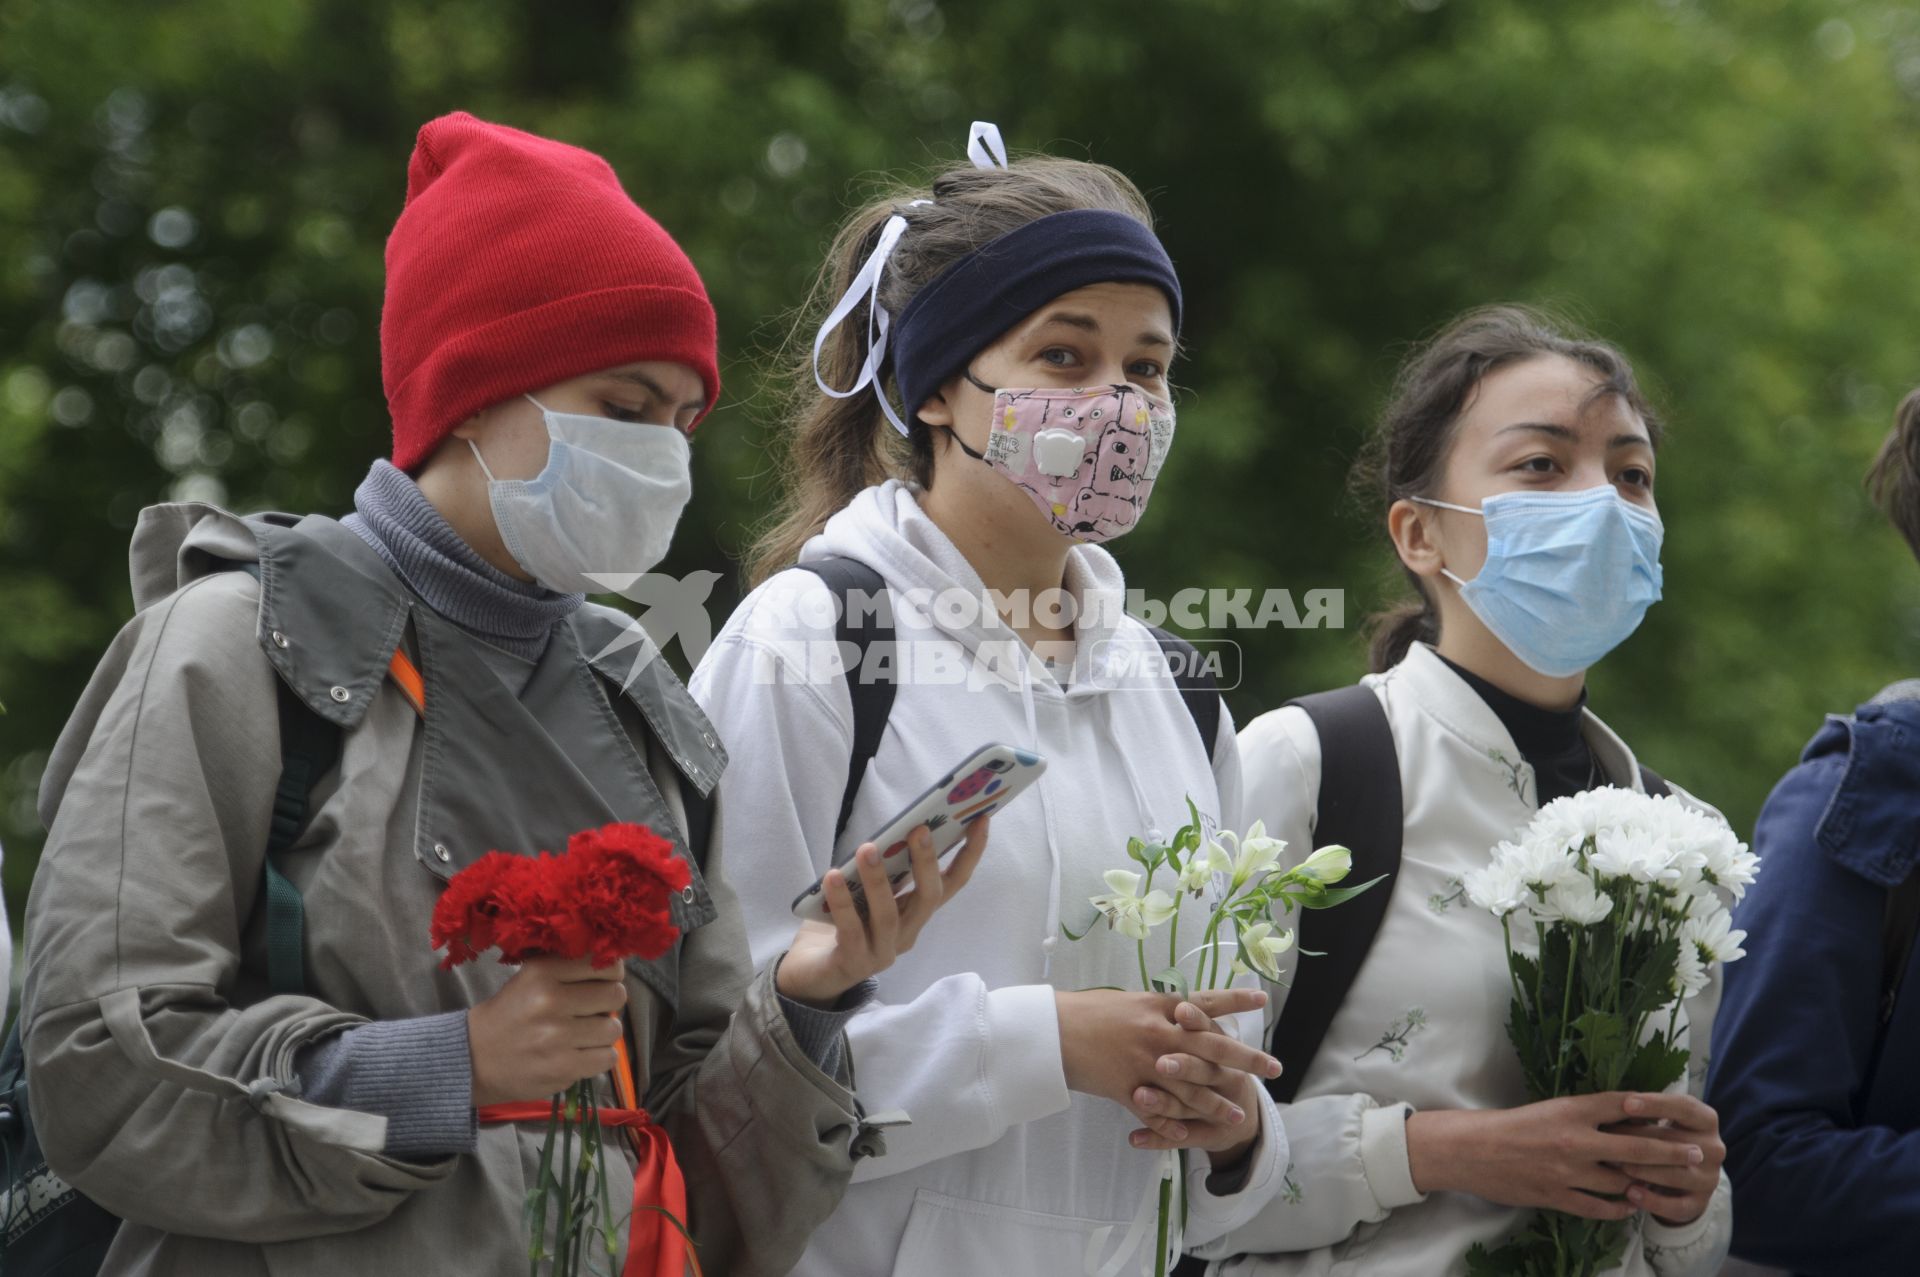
(1448,505)
(984,146)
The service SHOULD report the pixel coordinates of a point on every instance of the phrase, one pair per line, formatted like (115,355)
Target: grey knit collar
(393,516)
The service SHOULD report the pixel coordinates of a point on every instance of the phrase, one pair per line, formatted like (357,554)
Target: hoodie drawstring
(1051,940)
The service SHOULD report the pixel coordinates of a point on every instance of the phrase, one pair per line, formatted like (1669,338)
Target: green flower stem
(1160,1245)
(561,1248)
(1566,1007)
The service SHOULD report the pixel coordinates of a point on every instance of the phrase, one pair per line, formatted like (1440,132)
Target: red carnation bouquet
(607,899)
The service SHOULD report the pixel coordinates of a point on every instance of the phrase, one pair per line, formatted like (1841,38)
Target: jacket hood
(885,528)
(333,657)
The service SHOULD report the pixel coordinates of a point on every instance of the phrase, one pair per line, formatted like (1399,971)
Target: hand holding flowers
(1202,1090)
(1624,896)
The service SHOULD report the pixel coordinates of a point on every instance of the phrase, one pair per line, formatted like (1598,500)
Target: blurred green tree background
(194,196)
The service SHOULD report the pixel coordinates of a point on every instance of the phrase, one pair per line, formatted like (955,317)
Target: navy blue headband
(972,302)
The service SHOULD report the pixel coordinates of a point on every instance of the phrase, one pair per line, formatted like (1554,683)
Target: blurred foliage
(194,195)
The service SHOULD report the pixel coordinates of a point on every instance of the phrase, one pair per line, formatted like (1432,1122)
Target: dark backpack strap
(1653,782)
(1197,686)
(1360,809)
(860,630)
(309,748)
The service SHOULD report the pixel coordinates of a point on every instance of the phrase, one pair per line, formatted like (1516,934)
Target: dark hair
(1408,451)
(836,447)
(1893,481)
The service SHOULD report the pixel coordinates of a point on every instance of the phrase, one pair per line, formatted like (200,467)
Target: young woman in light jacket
(1506,443)
(1017,1054)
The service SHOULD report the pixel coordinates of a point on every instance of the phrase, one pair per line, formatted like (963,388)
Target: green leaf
(1328,897)
(1091,922)
(1655,1066)
(1602,1040)
(1173,980)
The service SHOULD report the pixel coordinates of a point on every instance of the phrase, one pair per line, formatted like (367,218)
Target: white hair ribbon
(866,286)
(986,150)
(984,146)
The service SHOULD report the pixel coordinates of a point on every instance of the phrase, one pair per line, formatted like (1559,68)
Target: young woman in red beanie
(977,308)
(237,1038)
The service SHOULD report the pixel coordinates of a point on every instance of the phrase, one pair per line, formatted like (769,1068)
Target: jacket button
(705,736)
(279,639)
(440,850)
(340,694)
(686,894)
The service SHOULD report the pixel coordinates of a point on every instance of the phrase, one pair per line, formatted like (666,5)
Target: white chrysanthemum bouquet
(1252,894)
(1621,901)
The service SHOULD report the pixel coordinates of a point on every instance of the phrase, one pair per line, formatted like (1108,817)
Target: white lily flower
(1328,865)
(1260,949)
(1253,854)
(1196,874)
(1127,910)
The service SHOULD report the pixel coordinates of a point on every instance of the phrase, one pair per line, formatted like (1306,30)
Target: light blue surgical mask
(601,512)
(1568,574)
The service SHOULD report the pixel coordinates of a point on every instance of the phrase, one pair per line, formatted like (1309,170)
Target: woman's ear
(1412,530)
(467,428)
(936,411)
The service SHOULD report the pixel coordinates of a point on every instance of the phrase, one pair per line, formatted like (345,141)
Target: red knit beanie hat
(517,263)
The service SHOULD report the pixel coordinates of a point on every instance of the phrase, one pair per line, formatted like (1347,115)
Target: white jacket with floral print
(1424,1025)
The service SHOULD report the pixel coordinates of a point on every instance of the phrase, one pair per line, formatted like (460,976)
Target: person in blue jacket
(1816,1049)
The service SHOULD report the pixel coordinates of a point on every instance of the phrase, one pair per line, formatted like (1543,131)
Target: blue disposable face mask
(1568,574)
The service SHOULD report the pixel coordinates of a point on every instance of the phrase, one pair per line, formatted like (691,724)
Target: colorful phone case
(989,779)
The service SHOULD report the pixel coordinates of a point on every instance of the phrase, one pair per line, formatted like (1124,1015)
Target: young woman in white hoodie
(1516,467)
(1025,1067)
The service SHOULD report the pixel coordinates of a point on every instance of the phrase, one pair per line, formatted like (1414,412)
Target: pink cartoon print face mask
(1087,458)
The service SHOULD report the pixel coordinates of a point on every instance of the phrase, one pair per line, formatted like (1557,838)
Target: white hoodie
(1002,1171)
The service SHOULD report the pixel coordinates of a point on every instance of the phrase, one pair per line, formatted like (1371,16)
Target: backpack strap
(309,748)
(1198,689)
(858,631)
(1360,808)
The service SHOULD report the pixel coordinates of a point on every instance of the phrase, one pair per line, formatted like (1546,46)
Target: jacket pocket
(955,1237)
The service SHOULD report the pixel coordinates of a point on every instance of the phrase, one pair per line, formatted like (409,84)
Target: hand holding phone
(828,959)
(984,782)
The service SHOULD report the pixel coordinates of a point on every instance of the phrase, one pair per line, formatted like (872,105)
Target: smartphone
(986,781)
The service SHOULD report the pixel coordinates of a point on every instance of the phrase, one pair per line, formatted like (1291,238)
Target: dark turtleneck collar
(393,516)
(1549,739)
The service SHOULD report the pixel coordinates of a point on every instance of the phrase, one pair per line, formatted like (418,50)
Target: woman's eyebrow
(1568,435)
(641,379)
(1549,428)
(1087,323)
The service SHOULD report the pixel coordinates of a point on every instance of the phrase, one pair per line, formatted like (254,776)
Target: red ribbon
(657,1183)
